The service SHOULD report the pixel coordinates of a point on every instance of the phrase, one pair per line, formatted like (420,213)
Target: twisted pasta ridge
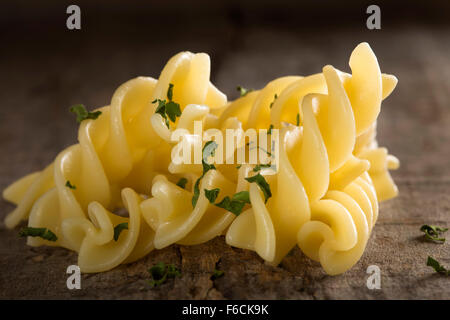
(331,172)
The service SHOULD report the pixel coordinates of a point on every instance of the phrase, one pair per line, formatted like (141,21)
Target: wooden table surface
(42,77)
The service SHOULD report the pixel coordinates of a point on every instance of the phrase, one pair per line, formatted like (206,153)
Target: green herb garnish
(173,110)
(168,109)
(160,272)
(263,185)
(83,114)
(238,166)
(437,266)
(238,200)
(196,191)
(275,97)
(69,185)
(209,150)
(243,196)
(170,92)
(182,183)
(270,129)
(161,109)
(234,207)
(236,203)
(243,91)
(433,232)
(217,274)
(44,233)
(119,228)
(212,194)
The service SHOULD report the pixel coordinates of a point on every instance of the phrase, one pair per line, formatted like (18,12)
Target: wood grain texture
(47,76)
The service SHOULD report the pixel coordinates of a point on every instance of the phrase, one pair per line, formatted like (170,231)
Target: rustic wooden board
(44,78)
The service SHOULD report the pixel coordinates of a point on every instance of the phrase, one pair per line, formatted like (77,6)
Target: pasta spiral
(324,195)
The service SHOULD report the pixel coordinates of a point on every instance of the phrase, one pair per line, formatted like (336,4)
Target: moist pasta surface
(324,196)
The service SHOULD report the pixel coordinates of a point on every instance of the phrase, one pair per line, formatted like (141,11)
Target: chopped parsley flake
(212,194)
(83,114)
(262,183)
(182,183)
(236,203)
(69,185)
(433,232)
(275,97)
(43,233)
(119,228)
(160,272)
(243,91)
(169,110)
(208,151)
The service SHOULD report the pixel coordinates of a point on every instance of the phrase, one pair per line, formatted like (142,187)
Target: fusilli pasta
(324,195)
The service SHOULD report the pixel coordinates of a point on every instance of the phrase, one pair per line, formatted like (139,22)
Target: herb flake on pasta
(83,114)
(243,196)
(263,185)
(170,92)
(275,97)
(212,194)
(169,110)
(182,183)
(118,230)
(43,233)
(232,206)
(196,192)
(208,150)
(235,204)
(243,91)
(69,185)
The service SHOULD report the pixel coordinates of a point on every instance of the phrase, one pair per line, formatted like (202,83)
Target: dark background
(46,68)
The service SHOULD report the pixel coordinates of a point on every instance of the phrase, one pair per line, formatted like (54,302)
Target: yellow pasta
(330,172)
